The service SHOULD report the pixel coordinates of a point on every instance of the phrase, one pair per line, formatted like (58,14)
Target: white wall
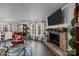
(68,12)
(14,26)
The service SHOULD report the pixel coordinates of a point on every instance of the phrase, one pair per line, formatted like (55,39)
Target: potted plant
(72,40)
(25,29)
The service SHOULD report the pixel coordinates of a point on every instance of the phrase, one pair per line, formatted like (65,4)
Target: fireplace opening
(54,38)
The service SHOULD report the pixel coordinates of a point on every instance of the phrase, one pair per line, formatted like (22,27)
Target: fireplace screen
(54,37)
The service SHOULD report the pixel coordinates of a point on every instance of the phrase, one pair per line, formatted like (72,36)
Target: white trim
(65,6)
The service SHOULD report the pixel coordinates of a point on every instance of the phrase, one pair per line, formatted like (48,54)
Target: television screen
(56,18)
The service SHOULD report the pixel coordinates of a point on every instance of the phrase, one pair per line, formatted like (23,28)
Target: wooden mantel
(56,26)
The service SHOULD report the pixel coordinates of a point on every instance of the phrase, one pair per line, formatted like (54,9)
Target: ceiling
(14,12)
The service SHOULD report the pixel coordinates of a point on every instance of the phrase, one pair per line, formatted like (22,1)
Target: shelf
(77,42)
(76,24)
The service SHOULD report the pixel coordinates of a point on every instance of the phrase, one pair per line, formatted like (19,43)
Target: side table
(2,51)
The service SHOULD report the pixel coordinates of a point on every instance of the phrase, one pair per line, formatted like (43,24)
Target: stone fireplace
(58,36)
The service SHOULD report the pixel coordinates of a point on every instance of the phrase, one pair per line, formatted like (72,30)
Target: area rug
(19,50)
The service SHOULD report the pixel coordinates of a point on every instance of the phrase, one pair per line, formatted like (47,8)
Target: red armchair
(17,38)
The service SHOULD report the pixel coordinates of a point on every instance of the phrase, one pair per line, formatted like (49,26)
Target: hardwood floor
(38,49)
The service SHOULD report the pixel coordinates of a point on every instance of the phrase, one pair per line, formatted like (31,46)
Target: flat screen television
(56,18)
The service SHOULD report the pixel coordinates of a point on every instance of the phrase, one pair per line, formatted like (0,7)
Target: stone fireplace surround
(62,48)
